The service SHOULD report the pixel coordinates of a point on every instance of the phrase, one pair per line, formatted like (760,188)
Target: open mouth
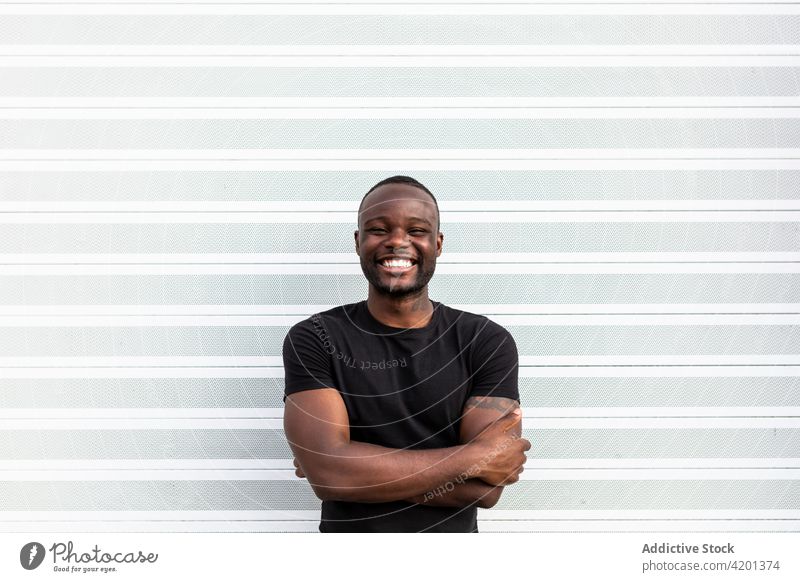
(397,266)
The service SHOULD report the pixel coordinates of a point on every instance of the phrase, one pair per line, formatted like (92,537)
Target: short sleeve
(306,363)
(495,363)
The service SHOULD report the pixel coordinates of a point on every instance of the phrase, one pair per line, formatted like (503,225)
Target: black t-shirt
(403,388)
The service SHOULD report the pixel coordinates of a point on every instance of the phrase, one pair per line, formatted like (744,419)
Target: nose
(397,238)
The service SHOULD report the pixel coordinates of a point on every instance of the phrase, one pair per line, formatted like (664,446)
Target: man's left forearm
(460,493)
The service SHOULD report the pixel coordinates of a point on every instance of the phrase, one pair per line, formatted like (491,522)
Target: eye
(376,230)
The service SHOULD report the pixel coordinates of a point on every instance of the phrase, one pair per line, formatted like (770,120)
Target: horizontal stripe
(483,515)
(406,113)
(542,239)
(296,495)
(264,361)
(546,240)
(307,310)
(445,269)
(77,153)
(648,474)
(348,24)
(426,50)
(312,526)
(54,465)
(347,258)
(488,215)
(171,103)
(130,189)
(121,465)
(327,61)
(332,139)
(533,414)
(518,217)
(383,161)
(676,371)
(447,7)
(350,207)
(394,166)
(449,289)
(28,320)
(440,82)
(581,445)
(39,424)
(553,345)
(566,392)
(489,520)
(290,139)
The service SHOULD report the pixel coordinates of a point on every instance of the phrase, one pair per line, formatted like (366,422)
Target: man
(402,413)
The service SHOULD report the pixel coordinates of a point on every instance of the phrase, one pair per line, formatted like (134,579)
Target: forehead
(397,201)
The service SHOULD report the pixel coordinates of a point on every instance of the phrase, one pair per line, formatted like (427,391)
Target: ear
(355,234)
(439,240)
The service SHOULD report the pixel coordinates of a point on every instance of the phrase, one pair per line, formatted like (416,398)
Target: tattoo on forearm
(492,403)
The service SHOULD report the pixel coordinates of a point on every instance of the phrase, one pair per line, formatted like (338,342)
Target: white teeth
(397,263)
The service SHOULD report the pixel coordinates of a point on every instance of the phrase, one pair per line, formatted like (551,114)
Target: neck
(407,312)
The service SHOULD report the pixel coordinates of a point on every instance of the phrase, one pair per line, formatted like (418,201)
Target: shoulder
(324,320)
(318,328)
(483,328)
(493,359)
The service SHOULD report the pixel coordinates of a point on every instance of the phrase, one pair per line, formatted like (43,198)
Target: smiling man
(402,413)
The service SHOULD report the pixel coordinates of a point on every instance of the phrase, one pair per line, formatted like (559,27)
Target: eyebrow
(411,219)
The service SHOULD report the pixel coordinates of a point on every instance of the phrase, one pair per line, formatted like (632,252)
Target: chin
(380,283)
(398,292)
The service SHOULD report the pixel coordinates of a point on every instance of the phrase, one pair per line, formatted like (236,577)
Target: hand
(500,451)
(297,470)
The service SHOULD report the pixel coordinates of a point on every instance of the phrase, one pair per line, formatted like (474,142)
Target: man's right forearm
(368,473)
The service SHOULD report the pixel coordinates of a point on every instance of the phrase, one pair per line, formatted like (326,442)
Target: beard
(398,287)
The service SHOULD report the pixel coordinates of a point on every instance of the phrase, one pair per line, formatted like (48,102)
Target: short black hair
(404,180)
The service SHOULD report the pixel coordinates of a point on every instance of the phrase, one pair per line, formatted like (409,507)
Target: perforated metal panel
(619,190)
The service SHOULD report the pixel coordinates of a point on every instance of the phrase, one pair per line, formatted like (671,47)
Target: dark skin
(401,220)
(479,413)
(481,417)
(337,468)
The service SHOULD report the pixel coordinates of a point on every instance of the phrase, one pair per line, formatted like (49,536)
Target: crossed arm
(490,456)
(479,413)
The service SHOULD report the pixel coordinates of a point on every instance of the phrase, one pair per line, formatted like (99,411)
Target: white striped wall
(62,82)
